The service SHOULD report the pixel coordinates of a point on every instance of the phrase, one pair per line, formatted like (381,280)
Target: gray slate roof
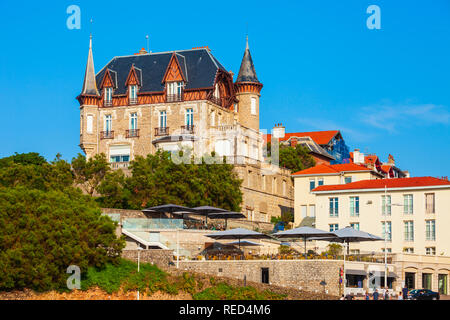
(247,71)
(199,68)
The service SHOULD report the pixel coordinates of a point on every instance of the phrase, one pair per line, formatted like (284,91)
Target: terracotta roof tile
(320,137)
(389,183)
(333,168)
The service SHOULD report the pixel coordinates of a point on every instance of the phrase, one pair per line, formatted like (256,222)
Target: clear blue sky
(387,90)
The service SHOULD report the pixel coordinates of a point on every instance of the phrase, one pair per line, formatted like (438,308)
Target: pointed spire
(89,84)
(247,71)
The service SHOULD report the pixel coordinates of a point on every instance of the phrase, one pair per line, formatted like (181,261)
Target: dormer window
(174,91)
(133,94)
(108,96)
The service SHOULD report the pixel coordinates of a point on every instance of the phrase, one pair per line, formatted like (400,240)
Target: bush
(223,291)
(44,232)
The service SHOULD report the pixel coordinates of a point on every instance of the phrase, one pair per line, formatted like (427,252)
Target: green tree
(295,159)
(90,173)
(44,232)
(156,180)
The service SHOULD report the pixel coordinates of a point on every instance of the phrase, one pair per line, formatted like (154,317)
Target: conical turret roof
(247,71)
(89,84)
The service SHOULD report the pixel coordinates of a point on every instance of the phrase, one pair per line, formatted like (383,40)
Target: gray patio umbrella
(246,243)
(168,208)
(305,233)
(349,234)
(226,215)
(238,233)
(207,210)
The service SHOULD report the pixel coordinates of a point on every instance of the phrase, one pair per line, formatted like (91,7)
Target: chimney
(294,142)
(278,131)
(142,51)
(358,157)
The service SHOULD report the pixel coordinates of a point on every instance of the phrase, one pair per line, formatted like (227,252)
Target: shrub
(44,232)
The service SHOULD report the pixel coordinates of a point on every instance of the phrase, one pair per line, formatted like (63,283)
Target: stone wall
(159,257)
(299,274)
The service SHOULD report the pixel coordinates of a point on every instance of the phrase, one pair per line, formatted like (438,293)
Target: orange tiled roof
(386,168)
(332,168)
(319,137)
(389,183)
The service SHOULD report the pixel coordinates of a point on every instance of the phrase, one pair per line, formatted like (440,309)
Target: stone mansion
(140,103)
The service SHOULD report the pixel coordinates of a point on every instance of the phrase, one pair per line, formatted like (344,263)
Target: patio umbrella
(245,243)
(226,215)
(168,208)
(207,210)
(238,233)
(349,234)
(305,233)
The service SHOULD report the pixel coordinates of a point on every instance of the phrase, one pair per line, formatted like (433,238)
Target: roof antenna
(148,43)
(92,22)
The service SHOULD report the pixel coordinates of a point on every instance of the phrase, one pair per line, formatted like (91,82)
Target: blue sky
(387,90)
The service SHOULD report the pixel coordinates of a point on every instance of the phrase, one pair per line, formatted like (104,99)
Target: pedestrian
(386,294)
(367,297)
(400,296)
(405,292)
(375,294)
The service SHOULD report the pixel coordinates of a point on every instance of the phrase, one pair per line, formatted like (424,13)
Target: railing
(149,224)
(174,97)
(119,165)
(107,103)
(133,100)
(215,100)
(187,129)
(162,131)
(132,133)
(106,134)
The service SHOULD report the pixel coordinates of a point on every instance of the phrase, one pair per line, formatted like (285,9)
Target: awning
(356,272)
(381,274)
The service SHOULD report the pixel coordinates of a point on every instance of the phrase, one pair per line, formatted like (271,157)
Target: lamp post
(138,263)
(385,238)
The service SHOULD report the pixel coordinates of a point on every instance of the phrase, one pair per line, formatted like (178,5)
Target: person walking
(386,294)
(400,296)
(405,292)
(367,297)
(375,294)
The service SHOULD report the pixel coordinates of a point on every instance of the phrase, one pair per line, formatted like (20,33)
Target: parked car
(423,294)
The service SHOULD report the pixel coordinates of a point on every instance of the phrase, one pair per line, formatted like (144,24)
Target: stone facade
(298,274)
(161,258)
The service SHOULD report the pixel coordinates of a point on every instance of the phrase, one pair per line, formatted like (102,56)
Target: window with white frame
(163,119)
(408,204)
(430,251)
(355,225)
(108,95)
(409,230)
(89,123)
(189,120)
(354,206)
(386,230)
(119,153)
(408,250)
(347,180)
(334,207)
(253,106)
(386,205)
(430,230)
(312,184)
(320,181)
(133,94)
(108,123)
(133,121)
(222,148)
(334,227)
(175,88)
(429,203)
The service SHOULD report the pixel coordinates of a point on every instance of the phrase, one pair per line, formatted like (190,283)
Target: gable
(173,72)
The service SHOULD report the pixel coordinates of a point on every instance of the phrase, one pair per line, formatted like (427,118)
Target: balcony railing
(187,129)
(133,100)
(106,134)
(174,97)
(132,133)
(107,103)
(215,100)
(161,131)
(119,165)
